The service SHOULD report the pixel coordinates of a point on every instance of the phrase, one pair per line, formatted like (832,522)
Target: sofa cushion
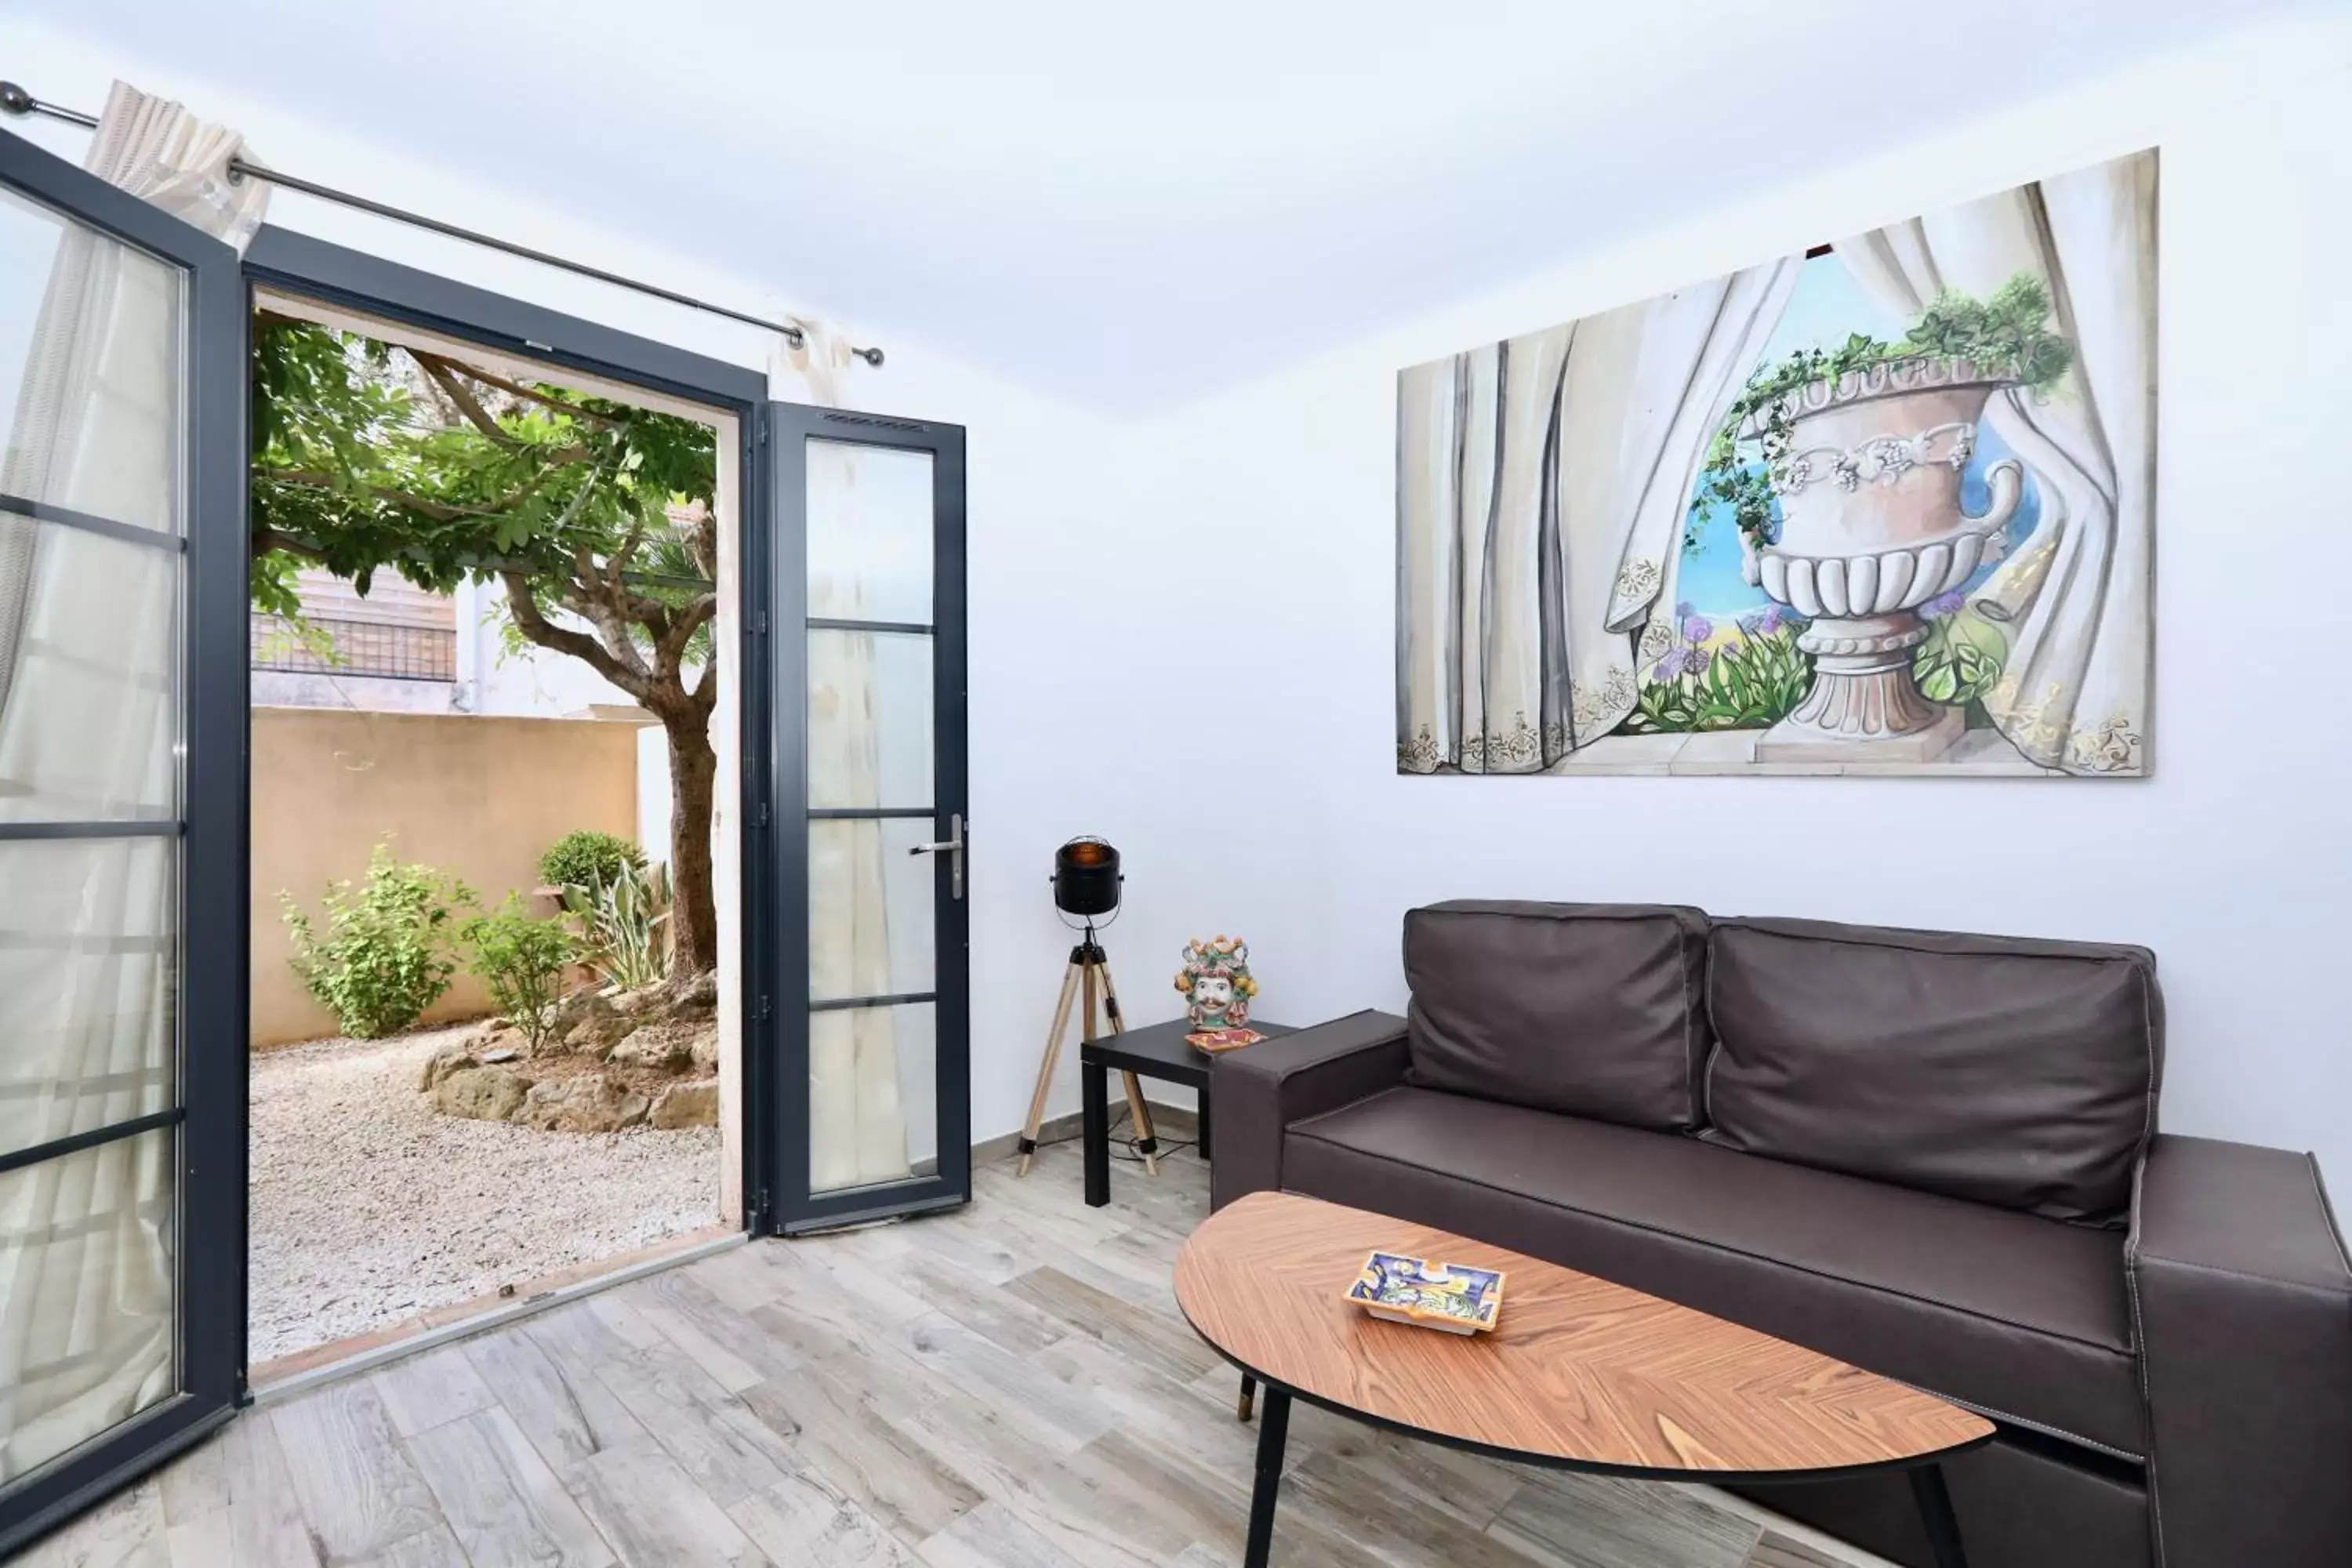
(2001,1069)
(2019,1317)
(1591,1009)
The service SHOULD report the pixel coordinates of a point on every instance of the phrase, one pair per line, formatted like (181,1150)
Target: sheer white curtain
(857,1120)
(2077,598)
(1542,485)
(89,713)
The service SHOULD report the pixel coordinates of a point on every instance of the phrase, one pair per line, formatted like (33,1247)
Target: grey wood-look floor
(1006,1386)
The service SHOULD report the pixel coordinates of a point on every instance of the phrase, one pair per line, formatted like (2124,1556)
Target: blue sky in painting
(1826,306)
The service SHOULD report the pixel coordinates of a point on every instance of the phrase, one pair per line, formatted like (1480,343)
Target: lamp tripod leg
(1029,1128)
(1147,1139)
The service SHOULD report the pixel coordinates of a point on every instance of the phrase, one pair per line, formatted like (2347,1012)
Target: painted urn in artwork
(1866,468)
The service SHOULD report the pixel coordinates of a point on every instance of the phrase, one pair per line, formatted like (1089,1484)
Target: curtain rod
(16,100)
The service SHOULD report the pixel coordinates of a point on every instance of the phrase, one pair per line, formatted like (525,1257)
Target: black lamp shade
(1086,877)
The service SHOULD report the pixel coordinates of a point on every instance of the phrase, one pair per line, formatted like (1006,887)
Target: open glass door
(123,904)
(874,1009)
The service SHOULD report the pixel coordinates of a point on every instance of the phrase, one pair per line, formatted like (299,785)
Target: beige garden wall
(479,797)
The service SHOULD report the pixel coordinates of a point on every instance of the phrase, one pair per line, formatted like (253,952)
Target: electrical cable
(1165,1146)
(1124,1118)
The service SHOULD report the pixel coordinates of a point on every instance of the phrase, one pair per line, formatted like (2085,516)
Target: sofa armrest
(1258,1093)
(2241,1302)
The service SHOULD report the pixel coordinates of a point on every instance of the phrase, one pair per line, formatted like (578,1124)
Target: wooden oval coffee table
(1578,1374)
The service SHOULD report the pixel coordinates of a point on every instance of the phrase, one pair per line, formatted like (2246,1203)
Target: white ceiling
(1127,205)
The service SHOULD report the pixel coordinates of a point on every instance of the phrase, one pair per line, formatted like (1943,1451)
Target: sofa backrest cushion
(2008,1070)
(1590,1009)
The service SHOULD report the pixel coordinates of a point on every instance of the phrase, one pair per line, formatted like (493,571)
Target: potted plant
(1842,469)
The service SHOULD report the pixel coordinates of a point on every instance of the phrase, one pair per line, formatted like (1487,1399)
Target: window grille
(377,648)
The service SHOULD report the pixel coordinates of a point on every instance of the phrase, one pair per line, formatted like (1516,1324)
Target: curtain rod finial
(871,356)
(15,99)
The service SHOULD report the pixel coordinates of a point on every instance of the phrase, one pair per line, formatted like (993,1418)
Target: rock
(568,1007)
(494,1036)
(703,1050)
(691,1104)
(661,1047)
(588,1103)
(629,1004)
(484,1094)
(450,1058)
(698,995)
(586,1024)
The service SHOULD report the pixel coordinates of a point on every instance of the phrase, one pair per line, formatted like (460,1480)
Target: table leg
(1242,1405)
(1935,1512)
(1204,1123)
(1095,1088)
(1273,1432)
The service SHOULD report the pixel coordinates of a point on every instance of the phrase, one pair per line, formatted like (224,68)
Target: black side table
(1156,1050)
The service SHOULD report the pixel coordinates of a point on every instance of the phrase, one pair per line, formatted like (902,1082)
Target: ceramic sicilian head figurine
(1216,983)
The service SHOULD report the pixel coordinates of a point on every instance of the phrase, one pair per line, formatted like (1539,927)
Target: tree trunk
(694,912)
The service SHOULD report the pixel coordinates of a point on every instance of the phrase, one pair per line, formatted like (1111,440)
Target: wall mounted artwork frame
(1887,507)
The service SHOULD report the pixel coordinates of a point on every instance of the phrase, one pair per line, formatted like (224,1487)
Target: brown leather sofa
(1930,1154)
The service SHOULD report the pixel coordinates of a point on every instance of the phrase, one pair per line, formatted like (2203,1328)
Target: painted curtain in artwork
(2075,600)
(1542,487)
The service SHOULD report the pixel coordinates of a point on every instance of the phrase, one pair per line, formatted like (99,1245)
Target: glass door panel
(873,913)
(874,1075)
(116,323)
(88,979)
(869,532)
(875,1097)
(870,719)
(102,634)
(95,423)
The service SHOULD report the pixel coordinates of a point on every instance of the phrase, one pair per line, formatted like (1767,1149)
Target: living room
(1224,319)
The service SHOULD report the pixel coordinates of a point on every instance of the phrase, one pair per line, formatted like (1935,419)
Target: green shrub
(624,923)
(521,961)
(386,954)
(584,858)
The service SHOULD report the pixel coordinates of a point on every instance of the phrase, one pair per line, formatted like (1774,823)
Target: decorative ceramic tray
(1404,1289)
(1216,1041)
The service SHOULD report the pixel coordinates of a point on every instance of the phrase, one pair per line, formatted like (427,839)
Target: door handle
(953,848)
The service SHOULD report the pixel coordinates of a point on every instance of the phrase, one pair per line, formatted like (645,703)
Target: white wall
(2230,862)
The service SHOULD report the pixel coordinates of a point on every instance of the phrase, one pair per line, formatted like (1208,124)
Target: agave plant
(625,921)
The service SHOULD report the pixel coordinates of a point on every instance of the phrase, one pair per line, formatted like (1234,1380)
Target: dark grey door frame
(798,1208)
(298,264)
(210,1165)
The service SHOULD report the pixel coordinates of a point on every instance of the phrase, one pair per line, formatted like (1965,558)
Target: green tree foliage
(580,858)
(521,960)
(386,954)
(370,457)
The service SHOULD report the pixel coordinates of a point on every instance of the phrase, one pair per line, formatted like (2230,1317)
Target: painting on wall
(1885,507)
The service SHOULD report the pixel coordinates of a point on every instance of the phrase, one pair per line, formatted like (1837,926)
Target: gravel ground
(368,1208)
